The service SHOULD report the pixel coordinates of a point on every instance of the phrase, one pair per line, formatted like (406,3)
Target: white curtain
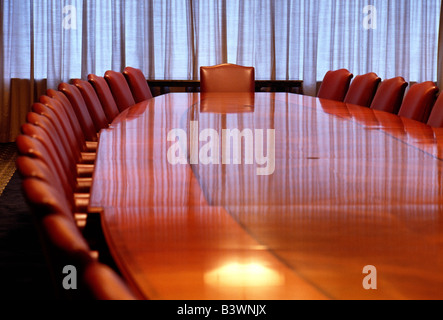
(170,39)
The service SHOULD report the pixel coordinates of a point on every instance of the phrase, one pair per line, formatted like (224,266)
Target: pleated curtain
(46,42)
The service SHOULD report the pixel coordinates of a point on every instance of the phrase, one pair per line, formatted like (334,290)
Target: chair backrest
(436,118)
(362,89)
(43,198)
(103,283)
(64,244)
(227,78)
(81,110)
(105,96)
(57,138)
(33,147)
(92,103)
(418,101)
(120,89)
(61,105)
(52,142)
(64,238)
(335,85)
(138,84)
(389,95)
(35,168)
(64,247)
(62,123)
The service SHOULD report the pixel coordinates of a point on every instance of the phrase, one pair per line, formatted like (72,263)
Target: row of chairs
(57,152)
(420,102)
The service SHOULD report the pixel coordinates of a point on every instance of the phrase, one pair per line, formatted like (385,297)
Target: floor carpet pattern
(8,154)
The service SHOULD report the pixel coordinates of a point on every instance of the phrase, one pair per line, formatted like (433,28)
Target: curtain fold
(310,46)
(440,51)
(171,39)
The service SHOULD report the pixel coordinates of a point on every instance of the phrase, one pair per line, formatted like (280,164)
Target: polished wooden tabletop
(351,187)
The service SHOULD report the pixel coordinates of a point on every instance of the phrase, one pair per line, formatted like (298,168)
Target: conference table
(271,196)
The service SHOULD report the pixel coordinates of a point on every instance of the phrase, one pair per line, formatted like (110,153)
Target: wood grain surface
(352,187)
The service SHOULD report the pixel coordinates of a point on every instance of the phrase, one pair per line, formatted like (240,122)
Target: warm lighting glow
(244,275)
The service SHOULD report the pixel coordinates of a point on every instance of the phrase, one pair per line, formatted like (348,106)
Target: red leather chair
(92,103)
(62,240)
(75,134)
(335,85)
(32,147)
(65,132)
(120,89)
(35,168)
(61,235)
(138,84)
(50,152)
(55,159)
(81,163)
(61,105)
(105,96)
(436,118)
(103,283)
(227,78)
(56,137)
(362,89)
(64,245)
(389,95)
(418,101)
(63,177)
(43,197)
(81,110)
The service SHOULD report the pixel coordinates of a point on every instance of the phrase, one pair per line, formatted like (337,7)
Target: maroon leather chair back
(103,283)
(335,85)
(57,137)
(32,147)
(48,198)
(227,78)
(61,105)
(389,95)
(362,89)
(35,168)
(65,242)
(418,102)
(138,84)
(52,152)
(62,123)
(436,118)
(105,96)
(120,89)
(80,109)
(92,103)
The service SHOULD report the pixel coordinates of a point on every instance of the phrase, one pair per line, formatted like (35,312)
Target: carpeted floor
(7,164)
(23,271)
